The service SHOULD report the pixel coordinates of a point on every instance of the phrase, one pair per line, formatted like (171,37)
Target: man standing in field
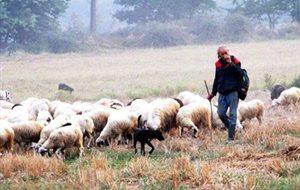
(227,79)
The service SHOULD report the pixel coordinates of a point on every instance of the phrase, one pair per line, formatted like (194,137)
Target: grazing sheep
(250,110)
(4,113)
(82,107)
(5,104)
(86,125)
(27,103)
(139,107)
(27,132)
(5,95)
(54,124)
(67,136)
(192,115)
(162,114)
(144,137)
(62,108)
(19,113)
(44,117)
(288,96)
(118,123)
(7,136)
(276,91)
(115,104)
(188,97)
(38,106)
(99,117)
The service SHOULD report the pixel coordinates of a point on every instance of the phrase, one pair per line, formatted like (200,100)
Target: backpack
(244,85)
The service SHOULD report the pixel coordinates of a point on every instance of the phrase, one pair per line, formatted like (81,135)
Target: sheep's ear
(66,124)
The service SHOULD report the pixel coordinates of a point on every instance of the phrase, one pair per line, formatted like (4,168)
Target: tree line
(33,24)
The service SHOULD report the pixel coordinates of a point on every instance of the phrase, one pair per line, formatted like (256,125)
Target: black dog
(145,136)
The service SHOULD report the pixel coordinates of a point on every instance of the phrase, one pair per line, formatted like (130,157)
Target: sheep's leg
(151,145)
(11,144)
(180,131)
(143,152)
(259,118)
(119,139)
(90,136)
(134,145)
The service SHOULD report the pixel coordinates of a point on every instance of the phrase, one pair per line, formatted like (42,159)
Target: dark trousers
(230,101)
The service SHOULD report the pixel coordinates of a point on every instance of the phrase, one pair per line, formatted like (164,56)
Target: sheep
(27,132)
(19,113)
(86,125)
(63,108)
(193,114)
(7,136)
(54,124)
(250,110)
(276,91)
(144,137)
(99,117)
(111,103)
(66,136)
(4,113)
(38,106)
(118,123)
(5,104)
(44,117)
(288,96)
(139,107)
(82,107)
(162,114)
(5,95)
(188,97)
(27,103)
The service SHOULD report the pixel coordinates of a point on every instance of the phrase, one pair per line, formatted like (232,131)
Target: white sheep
(5,104)
(7,135)
(139,107)
(86,125)
(288,96)
(67,136)
(111,103)
(19,113)
(38,106)
(27,132)
(4,113)
(118,123)
(162,114)
(249,110)
(62,108)
(188,97)
(54,124)
(193,115)
(82,107)
(99,116)
(27,103)
(44,117)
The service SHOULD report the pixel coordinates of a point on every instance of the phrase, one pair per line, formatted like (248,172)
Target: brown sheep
(7,136)
(27,132)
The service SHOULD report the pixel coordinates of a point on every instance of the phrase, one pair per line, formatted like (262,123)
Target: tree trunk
(93,16)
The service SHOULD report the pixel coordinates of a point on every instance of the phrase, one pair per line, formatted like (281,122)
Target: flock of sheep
(53,126)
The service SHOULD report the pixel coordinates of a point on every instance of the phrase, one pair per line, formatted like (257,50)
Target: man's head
(223,53)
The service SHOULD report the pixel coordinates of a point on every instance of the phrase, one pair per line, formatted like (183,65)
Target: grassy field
(142,73)
(263,157)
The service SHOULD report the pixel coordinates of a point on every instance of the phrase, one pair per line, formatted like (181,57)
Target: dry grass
(142,73)
(263,157)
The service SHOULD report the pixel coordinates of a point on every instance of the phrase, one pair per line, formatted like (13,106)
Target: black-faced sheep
(67,136)
(110,103)
(251,109)
(145,136)
(288,96)
(7,136)
(276,91)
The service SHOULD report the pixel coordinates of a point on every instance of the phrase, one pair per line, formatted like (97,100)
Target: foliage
(21,22)
(296,82)
(143,11)
(263,10)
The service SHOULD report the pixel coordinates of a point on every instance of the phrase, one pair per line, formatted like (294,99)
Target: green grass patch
(118,160)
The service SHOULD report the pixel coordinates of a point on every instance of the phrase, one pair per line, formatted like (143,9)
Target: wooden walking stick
(211,111)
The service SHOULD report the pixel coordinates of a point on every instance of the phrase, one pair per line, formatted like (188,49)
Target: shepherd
(228,75)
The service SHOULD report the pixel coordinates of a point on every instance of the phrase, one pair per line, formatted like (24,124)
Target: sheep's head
(101,142)
(42,150)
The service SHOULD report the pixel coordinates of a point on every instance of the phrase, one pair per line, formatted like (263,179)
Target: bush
(295,82)
(289,31)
